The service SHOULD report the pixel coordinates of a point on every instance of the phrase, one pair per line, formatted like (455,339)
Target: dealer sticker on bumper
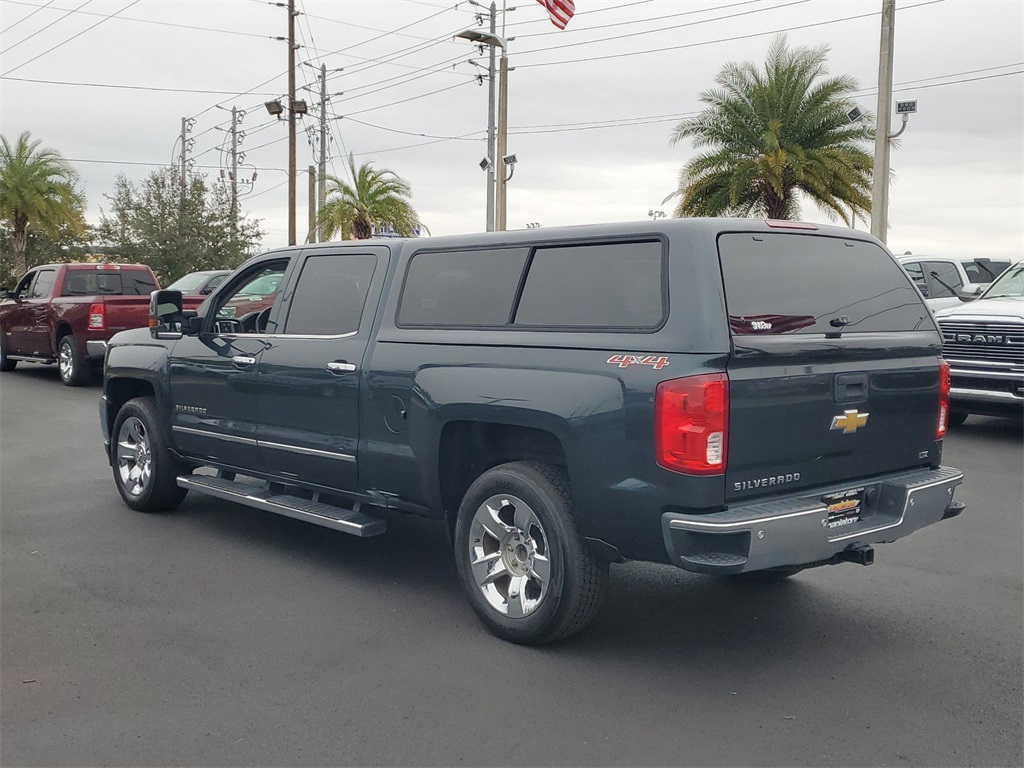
(844,508)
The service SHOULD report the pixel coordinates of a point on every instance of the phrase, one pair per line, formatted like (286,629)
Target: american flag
(560,11)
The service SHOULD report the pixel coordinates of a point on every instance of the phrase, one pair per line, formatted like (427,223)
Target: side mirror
(970,292)
(165,314)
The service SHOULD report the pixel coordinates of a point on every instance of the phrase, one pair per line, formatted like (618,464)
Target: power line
(411,98)
(38,8)
(711,42)
(142,21)
(156,165)
(64,42)
(405,133)
(9,48)
(577,30)
(123,87)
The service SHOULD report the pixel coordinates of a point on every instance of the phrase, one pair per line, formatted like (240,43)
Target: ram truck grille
(1001,344)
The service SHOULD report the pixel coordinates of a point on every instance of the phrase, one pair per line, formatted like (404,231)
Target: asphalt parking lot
(219,635)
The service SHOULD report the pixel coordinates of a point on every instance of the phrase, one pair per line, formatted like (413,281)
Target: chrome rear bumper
(794,530)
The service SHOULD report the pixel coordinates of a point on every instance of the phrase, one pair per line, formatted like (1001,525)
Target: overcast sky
(591,108)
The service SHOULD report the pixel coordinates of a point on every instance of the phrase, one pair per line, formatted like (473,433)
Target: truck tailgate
(834,373)
(124,312)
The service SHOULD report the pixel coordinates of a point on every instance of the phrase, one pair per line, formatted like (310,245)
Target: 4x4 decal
(623,361)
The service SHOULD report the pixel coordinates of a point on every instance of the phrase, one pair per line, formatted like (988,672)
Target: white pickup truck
(949,281)
(983,342)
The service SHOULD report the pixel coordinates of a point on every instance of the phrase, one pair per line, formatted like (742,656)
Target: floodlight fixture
(274,107)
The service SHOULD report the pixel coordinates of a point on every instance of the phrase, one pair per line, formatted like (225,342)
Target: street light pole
(880,182)
(494,41)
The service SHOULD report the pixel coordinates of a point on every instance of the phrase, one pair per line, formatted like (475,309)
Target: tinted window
(23,287)
(943,279)
(329,297)
(984,271)
(781,283)
(594,286)
(109,282)
(43,283)
(461,288)
(916,272)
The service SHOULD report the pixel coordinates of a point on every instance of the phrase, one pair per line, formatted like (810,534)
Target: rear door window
(460,289)
(784,283)
(606,285)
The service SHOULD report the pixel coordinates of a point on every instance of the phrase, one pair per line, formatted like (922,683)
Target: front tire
(529,575)
(145,471)
(74,371)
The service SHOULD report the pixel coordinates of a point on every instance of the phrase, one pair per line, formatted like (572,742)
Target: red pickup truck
(66,313)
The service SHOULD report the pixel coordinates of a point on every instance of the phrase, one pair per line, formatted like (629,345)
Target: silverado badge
(850,421)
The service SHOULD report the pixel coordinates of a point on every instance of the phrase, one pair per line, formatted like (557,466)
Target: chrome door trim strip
(214,435)
(307,451)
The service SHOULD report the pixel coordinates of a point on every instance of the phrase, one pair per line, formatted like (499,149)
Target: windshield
(1010,284)
(189,282)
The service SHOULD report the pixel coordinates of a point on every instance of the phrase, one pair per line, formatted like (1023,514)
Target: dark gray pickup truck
(733,397)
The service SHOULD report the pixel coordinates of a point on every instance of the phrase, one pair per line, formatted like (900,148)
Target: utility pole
(311,235)
(234,170)
(291,122)
(880,183)
(186,128)
(321,195)
(492,165)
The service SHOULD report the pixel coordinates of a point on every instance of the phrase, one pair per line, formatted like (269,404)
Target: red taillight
(97,317)
(691,421)
(940,430)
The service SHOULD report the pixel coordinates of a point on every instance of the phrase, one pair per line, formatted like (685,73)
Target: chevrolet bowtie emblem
(850,421)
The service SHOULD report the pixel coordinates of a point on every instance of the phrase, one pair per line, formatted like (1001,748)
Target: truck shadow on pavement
(652,613)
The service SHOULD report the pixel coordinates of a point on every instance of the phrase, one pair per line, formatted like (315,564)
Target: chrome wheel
(509,555)
(134,455)
(66,361)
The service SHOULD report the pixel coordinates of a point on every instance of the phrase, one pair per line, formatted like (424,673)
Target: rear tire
(74,371)
(529,575)
(145,471)
(6,365)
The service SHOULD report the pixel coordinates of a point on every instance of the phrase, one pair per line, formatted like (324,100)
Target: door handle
(242,361)
(340,366)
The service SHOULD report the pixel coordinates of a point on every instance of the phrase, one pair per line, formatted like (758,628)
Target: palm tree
(771,134)
(376,199)
(37,189)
